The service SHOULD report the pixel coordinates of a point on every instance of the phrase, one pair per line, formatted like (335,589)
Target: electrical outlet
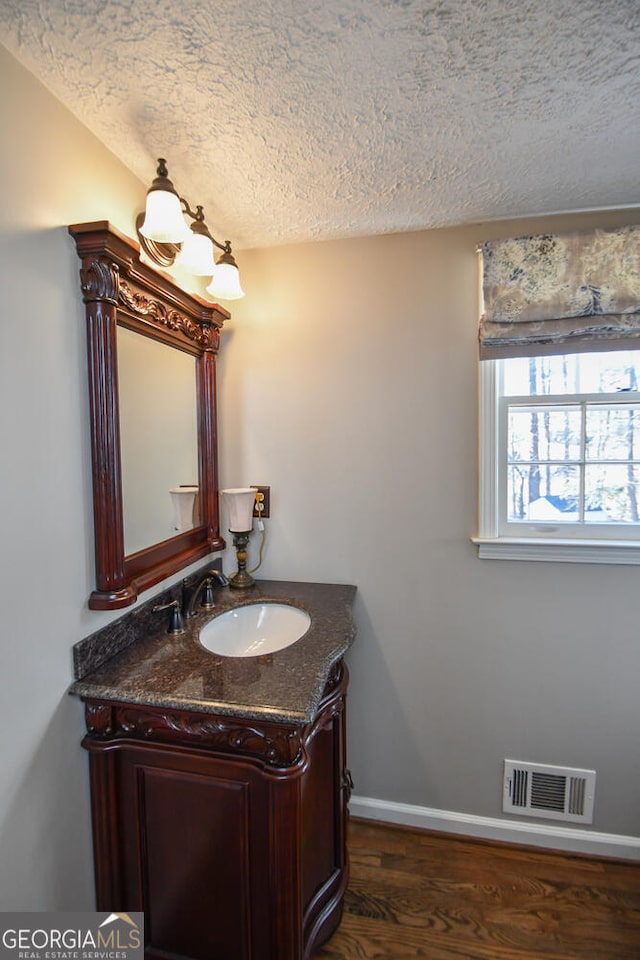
(266,501)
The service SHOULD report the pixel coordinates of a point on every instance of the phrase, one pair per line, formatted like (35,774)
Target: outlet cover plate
(266,503)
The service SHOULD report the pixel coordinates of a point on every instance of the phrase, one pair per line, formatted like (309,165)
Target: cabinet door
(190,852)
(323,822)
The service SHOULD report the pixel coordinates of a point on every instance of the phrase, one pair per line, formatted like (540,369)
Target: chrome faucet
(191,591)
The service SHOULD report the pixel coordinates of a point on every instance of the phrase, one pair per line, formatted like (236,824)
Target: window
(560,458)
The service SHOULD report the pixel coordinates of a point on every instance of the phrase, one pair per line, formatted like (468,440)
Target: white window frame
(493,545)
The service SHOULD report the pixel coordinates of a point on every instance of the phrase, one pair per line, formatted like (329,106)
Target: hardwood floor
(414,893)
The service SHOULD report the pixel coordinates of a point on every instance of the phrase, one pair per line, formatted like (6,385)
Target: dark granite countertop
(156,669)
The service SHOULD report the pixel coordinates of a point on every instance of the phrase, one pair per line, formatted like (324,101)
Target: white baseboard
(575,840)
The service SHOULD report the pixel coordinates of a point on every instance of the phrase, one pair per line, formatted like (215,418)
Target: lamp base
(242,579)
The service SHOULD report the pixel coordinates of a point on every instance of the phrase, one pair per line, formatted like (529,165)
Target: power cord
(259,508)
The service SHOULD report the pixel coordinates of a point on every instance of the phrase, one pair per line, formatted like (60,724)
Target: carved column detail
(207,413)
(105,437)
(100,280)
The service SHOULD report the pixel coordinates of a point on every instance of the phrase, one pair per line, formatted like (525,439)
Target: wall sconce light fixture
(167,238)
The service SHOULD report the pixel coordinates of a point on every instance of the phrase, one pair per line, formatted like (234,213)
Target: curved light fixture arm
(198,218)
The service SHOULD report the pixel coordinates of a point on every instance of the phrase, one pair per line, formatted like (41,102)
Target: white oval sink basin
(254,629)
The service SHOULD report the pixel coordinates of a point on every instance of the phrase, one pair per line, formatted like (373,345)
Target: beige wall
(347,383)
(53,172)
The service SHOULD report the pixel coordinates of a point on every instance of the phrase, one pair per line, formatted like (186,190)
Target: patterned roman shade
(561,293)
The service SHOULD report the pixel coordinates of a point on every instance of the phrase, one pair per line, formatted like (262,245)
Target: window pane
(516,377)
(612,493)
(613,432)
(609,372)
(572,373)
(551,433)
(547,493)
(537,376)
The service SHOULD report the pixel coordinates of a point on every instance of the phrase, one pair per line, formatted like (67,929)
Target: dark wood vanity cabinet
(227,832)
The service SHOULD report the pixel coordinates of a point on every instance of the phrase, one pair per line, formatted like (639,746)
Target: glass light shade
(225,284)
(163,220)
(196,255)
(239,502)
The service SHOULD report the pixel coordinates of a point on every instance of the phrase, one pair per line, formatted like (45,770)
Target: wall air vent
(556,793)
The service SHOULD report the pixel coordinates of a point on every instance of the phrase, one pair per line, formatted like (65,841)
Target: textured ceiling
(297,120)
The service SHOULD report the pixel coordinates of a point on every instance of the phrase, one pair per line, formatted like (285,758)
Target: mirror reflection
(158,439)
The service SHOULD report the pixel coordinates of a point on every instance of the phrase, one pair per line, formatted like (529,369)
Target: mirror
(158,440)
(151,351)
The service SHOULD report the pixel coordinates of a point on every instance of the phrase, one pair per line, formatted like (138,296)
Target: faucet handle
(176,622)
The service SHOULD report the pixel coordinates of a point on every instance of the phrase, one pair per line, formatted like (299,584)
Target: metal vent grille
(541,790)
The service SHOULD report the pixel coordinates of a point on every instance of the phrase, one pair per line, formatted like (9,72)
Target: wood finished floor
(415,893)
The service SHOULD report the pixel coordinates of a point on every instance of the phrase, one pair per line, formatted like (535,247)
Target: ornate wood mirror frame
(120,290)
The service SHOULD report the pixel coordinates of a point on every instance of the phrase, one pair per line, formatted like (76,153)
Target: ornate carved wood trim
(154,311)
(100,280)
(277,745)
(336,676)
(332,704)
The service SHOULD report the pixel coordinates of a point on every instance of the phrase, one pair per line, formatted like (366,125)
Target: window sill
(558,551)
